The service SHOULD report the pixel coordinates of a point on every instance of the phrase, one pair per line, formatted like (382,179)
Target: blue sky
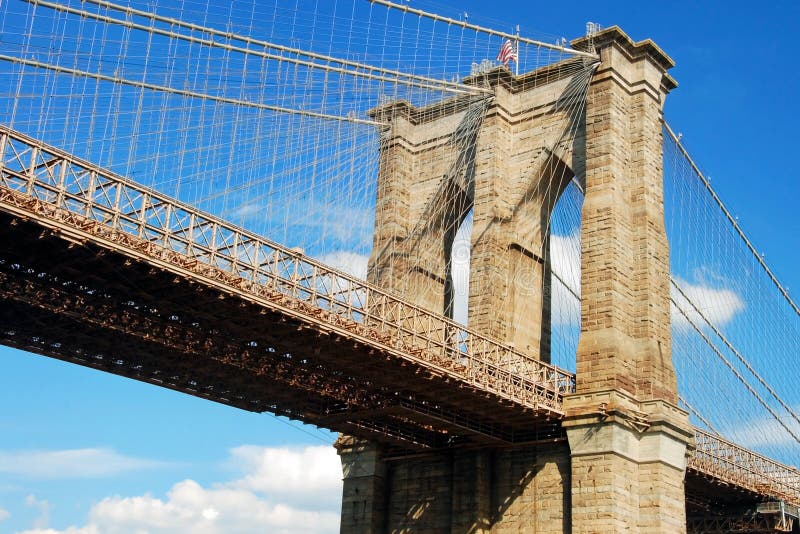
(737,109)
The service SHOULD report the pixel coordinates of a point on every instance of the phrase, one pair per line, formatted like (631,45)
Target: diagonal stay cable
(731,219)
(383,74)
(739,356)
(733,369)
(466,25)
(694,412)
(182,92)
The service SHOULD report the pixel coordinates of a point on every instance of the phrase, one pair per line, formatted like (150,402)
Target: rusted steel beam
(186,255)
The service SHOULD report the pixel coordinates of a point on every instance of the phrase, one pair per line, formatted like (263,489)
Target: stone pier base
(524,489)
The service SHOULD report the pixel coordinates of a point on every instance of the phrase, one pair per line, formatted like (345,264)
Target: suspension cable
(384,74)
(489,31)
(736,352)
(733,369)
(731,219)
(184,92)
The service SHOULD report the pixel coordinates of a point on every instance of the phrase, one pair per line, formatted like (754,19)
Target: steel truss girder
(207,249)
(85,204)
(259,353)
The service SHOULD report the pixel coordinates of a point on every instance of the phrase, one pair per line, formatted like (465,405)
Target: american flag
(507,53)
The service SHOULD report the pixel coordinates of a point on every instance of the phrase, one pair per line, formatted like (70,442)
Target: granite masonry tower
(621,465)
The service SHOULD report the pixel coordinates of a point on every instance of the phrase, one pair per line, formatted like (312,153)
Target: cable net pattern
(263,113)
(257,111)
(735,331)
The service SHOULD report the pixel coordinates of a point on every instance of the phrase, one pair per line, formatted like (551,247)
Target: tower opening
(457,278)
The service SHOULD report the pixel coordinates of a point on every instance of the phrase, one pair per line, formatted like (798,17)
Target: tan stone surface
(522,490)
(517,178)
(624,465)
(628,441)
(363,491)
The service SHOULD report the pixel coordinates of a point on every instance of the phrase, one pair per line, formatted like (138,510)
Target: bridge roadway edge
(707,477)
(333,398)
(478,460)
(625,465)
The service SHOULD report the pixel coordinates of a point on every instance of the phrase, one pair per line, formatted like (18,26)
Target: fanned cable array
(735,329)
(272,115)
(258,111)
(445,223)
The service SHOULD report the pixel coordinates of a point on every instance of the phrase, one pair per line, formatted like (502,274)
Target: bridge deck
(100,308)
(97,270)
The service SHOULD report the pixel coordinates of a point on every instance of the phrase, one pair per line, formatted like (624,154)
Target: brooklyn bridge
(490,273)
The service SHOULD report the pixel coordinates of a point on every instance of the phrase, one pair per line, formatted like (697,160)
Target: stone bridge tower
(498,160)
(621,467)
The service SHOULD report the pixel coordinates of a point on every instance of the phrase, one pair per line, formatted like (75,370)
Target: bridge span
(99,271)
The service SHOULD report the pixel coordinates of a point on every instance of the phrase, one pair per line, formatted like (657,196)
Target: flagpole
(516,63)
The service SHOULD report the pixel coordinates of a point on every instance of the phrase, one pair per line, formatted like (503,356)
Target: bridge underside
(85,304)
(714,506)
(82,303)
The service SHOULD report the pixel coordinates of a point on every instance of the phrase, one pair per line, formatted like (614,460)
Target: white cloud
(322,221)
(44,511)
(4,514)
(766,433)
(246,210)
(190,507)
(342,222)
(349,262)
(565,257)
(283,491)
(719,306)
(462,248)
(70,463)
(310,475)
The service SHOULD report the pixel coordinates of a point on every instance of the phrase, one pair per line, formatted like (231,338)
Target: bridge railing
(56,186)
(736,465)
(80,199)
